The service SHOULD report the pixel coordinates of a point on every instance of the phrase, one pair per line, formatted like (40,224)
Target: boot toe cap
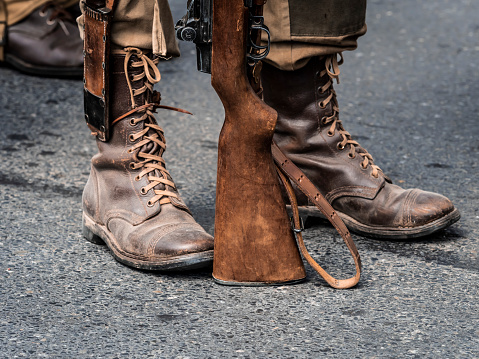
(425,207)
(185,240)
(158,246)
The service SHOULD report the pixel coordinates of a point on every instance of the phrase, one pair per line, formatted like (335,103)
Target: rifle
(254,241)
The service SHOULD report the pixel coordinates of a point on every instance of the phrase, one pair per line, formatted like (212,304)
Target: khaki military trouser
(300,29)
(17,10)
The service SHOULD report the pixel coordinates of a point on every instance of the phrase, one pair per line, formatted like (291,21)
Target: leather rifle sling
(286,168)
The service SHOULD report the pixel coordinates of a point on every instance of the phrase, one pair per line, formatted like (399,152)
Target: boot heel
(90,236)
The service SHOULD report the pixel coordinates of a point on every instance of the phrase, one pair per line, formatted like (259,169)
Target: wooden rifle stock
(254,243)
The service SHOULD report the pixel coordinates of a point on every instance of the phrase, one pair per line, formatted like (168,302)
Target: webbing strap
(286,168)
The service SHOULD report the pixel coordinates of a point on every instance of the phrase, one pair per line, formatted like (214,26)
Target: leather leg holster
(97,59)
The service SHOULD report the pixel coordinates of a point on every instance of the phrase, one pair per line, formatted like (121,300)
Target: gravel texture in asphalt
(409,94)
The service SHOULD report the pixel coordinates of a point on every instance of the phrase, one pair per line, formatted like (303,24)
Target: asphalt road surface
(409,94)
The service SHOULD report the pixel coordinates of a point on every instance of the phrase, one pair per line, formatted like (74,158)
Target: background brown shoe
(46,43)
(311,134)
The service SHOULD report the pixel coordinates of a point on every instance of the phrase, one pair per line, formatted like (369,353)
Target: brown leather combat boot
(46,43)
(130,201)
(310,133)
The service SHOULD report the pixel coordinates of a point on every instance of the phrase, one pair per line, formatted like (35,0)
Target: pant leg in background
(17,10)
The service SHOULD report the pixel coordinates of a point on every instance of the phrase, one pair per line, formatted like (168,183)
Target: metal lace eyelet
(130,150)
(330,134)
(321,105)
(132,165)
(323,120)
(51,22)
(351,156)
(143,191)
(363,167)
(42,13)
(137,178)
(340,146)
(150,204)
(131,138)
(320,90)
(132,122)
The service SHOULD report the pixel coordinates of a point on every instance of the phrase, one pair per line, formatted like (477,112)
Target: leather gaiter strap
(96,66)
(3,28)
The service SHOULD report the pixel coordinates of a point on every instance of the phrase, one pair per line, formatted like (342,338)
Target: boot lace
(57,14)
(332,70)
(153,143)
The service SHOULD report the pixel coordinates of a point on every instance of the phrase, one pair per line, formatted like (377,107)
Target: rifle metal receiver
(196,26)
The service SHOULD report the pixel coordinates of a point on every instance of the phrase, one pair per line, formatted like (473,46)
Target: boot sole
(257,284)
(98,234)
(385,232)
(47,71)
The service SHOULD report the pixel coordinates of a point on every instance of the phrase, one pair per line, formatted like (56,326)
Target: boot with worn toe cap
(130,201)
(311,134)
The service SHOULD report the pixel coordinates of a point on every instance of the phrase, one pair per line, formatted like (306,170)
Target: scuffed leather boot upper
(129,191)
(310,133)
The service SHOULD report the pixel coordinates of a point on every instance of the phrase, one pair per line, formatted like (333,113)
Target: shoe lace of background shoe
(153,143)
(57,14)
(332,70)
